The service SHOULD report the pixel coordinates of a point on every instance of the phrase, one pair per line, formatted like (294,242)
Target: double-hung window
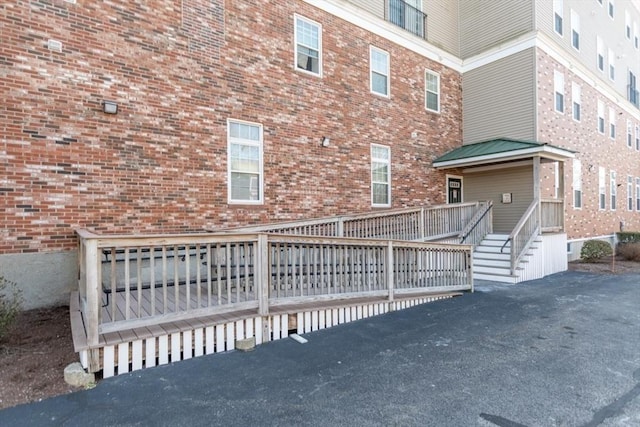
(575,30)
(629,134)
(380,175)
(557,16)
(432,91)
(558,85)
(610,8)
(245,175)
(636,38)
(629,192)
(308,41)
(638,137)
(637,194)
(602,188)
(601,117)
(612,64)
(577,184)
(612,123)
(627,25)
(600,50)
(576,94)
(614,190)
(379,60)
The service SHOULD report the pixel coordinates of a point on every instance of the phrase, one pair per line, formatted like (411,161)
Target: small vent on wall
(54,45)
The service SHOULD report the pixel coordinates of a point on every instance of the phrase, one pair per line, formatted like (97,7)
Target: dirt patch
(606,265)
(33,357)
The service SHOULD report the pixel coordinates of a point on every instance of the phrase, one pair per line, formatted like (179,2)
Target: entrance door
(454,190)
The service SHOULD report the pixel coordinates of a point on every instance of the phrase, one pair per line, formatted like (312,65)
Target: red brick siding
(593,150)
(178,74)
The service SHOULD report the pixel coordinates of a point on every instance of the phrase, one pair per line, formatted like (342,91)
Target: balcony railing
(406,16)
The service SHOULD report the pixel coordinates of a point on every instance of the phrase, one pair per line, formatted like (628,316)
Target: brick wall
(177,74)
(593,150)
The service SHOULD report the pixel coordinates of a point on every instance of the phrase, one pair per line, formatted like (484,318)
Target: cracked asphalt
(560,351)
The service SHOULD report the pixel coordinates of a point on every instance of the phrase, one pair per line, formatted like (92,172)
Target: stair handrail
(518,250)
(479,216)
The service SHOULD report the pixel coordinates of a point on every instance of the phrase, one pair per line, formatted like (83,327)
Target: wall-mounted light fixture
(325,141)
(109,107)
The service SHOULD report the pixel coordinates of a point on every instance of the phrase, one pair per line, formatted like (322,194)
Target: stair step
(498,263)
(486,269)
(493,249)
(477,255)
(496,277)
(499,243)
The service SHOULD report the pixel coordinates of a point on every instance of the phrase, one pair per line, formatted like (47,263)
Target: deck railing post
(262,267)
(389,267)
(421,227)
(92,307)
(340,227)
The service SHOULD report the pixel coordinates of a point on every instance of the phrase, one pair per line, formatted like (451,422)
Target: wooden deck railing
(479,226)
(523,234)
(552,214)
(419,223)
(127,282)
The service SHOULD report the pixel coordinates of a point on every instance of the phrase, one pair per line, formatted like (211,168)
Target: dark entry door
(454,190)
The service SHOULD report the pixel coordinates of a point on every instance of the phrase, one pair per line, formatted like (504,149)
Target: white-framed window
(638,137)
(558,16)
(575,30)
(637,194)
(558,87)
(629,192)
(380,175)
(600,50)
(308,42)
(244,163)
(600,2)
(576,95)
(602,189)
(379,61)
(614,190)
(577,184)
(432,91)
(610,8)
(601,117)
(612,64)
(629,134)
(612,123)
(627,25)
(636,38)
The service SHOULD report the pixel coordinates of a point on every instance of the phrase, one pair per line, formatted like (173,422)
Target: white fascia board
(524,42)
(393,33)
(551,152)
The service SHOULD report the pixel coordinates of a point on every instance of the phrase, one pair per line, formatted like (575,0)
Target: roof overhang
(475,154)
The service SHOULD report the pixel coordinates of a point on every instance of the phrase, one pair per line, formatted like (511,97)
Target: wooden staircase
(491,259)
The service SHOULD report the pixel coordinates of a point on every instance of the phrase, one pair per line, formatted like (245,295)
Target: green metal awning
(499,150)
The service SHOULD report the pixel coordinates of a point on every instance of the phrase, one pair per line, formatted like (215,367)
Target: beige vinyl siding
(442,24)
(490,185)
(498,99)
(375,7)
(485,24)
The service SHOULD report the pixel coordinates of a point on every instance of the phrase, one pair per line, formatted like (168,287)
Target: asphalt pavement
(560,351)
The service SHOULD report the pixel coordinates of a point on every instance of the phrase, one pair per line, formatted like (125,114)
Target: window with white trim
(636,38)
(602,188)
(638,137)
(600,50)
(601,117)
(575,30)
(577,184)
(379,61)
(629,134)
(627,25)
(308,41)
(629,192)
(558,86)
(637,194)
(245,165)
(432,91)
(612,64)
(611,8)
(612,123)
(576,95)
(380,175)
(557,16)
(614,190)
